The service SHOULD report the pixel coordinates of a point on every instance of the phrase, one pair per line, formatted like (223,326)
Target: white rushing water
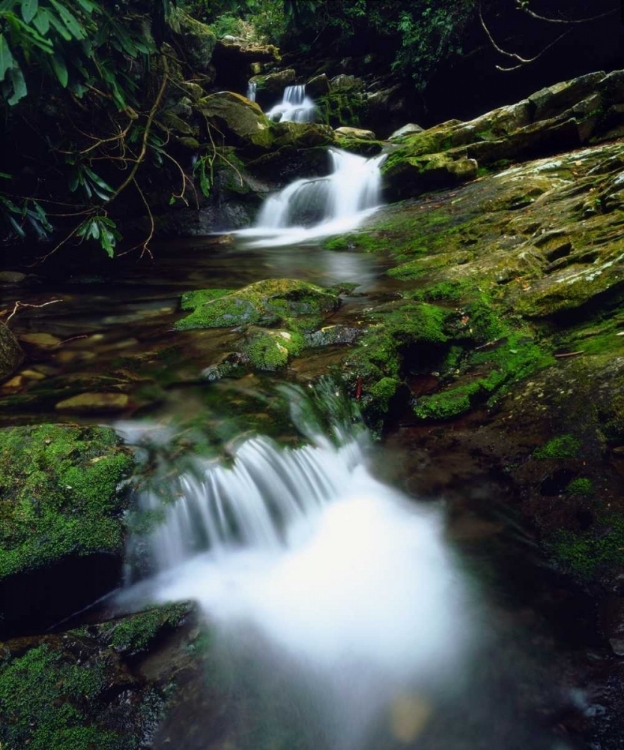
(321,206)
(294,107)
(338,573)
(252,89)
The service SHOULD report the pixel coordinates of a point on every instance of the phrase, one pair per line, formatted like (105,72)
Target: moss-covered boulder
(241,121)
(198,42)
(62,506)
(11,356)
(265,302)
(301,135)
(82,689)
(270,350)
(413,175)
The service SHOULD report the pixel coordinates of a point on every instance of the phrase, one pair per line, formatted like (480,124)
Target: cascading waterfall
(340,574)
(294,107)
(321,206)
(252,89)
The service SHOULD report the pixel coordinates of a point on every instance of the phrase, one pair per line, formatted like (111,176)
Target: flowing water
(336,574)
(339,610)
(322,206)
(294,107)
(252,89)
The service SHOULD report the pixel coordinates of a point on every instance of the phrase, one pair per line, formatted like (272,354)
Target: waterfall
(294,107)
(318,207)
(251,91)
(302,556)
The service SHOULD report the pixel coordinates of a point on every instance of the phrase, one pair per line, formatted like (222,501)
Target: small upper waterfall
(252,89)
(294,107)
(321,206)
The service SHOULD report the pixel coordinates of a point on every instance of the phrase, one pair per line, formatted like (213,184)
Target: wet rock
(198,42)
(243,121)
(553,100)
(94,403)
(62,507)
(12,277)
(318,86)
(365,135)
(264,302)
(40,340)
(95,686)
(414,175)
(302,135)
(270,350)
(345,82)
(11,356)
(270,86)
(408,129)
(332,335)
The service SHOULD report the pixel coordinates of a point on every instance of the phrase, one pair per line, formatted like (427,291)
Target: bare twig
(533,14)
(18,305)
(521,60)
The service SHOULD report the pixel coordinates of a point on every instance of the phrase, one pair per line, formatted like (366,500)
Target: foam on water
(335,571)
(319,207)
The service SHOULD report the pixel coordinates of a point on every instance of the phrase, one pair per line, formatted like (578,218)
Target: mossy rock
(61,512)
(241,120)
(60,494)
(265,302)
(198,42)
(270,350)
(77,691)
(411,175)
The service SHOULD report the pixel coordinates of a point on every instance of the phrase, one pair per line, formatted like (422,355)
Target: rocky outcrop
(553,120)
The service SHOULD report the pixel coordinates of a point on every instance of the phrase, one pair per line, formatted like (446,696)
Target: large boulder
(241,121)
(11,356)
(270,86)
(198,42)
(318,86)
(62,505)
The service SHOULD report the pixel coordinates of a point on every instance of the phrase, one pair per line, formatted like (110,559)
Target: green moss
(581,486)
(342,108)
(137,632)
(591,552)
(383,390)
(362,241)
(45,704)
(198,297)
(397,326)
(272,350)
(59,494)
(484,322)
(444,291)
(563,446)
(490,373)
(265,302)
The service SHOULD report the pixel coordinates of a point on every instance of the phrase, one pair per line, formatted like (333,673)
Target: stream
(347,608)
